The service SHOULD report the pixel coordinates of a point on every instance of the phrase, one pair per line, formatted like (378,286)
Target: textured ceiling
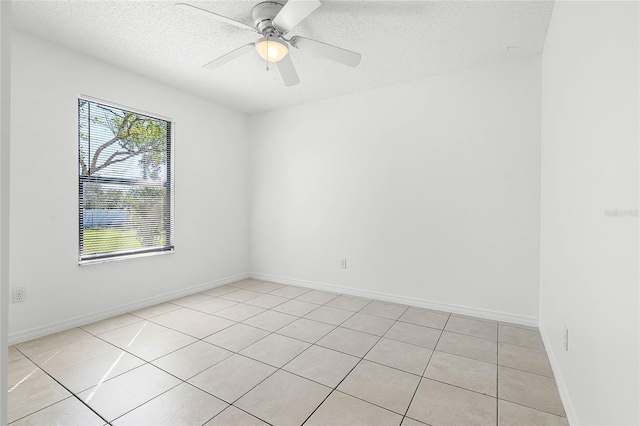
(399,41)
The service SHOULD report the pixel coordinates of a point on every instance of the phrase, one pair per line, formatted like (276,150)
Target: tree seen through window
(124,163)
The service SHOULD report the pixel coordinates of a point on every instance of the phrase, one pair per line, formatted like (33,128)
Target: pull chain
(267,55)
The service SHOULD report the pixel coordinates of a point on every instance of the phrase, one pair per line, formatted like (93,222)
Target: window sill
(124,257)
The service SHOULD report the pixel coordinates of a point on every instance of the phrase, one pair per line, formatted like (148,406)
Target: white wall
(589,262)
(430,190)
(5,122)
(211,190)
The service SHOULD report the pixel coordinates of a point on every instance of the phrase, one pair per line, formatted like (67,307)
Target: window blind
(125,182)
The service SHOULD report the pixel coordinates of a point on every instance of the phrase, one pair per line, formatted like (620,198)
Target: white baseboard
(36,332)
(572,416)
(423,303)
(23,336)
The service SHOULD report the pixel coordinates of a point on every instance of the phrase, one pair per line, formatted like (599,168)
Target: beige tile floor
(256,352)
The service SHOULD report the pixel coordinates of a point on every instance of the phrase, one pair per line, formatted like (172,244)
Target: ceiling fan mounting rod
(272,33)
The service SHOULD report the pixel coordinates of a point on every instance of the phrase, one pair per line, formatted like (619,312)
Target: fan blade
(288,71)
(328,51)
(229,56)
(203,12)
(294,12)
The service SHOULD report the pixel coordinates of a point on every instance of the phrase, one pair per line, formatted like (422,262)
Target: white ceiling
(399,41)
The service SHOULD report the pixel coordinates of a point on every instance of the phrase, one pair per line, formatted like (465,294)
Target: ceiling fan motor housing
(263,13)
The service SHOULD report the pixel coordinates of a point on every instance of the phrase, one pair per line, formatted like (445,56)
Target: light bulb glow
(271,49)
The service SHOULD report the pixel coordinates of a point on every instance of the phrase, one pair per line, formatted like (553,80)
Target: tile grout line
(201,339)
(425,369)
(280,368)
(236,303)
(335,326)
(335,389)
(277,368)
(237,408)
(198,339)
(533,408)
(181,380)
(72,394)
(145,362)
(160,394)
(238,353)
(45,372)
(492,340)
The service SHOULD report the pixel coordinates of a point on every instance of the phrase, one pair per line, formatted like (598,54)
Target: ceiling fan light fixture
(271,49)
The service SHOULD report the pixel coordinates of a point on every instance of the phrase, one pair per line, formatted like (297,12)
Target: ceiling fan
(274,20)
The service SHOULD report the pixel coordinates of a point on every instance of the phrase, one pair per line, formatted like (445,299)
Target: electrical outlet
(343,264)
(566,338)
(18,294)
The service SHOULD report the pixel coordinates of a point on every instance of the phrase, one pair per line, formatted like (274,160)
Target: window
(125,182)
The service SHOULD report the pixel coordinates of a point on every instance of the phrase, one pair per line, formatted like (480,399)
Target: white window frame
(170,185)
